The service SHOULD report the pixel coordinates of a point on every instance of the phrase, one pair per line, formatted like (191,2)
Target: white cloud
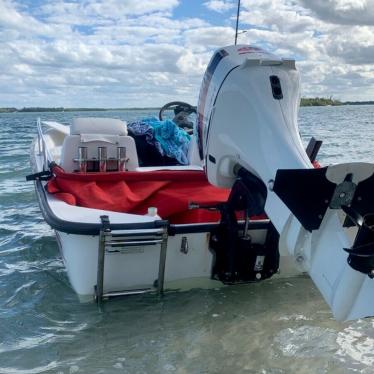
(334,56)
(192,63)
(137,53)
(211,37)
(12,19)
(220,6)
(352,45)
(350,12)
(96,11)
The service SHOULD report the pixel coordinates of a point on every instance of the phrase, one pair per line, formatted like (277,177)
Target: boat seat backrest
(97,132)
(96,125)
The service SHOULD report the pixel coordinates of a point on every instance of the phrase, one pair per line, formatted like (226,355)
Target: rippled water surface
(277,326)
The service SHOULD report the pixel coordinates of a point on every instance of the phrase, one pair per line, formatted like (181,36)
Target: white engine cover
(241,123)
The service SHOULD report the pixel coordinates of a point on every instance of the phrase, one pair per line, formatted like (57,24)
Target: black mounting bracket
(45,175)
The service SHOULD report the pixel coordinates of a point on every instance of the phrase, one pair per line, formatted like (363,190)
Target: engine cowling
(247,115)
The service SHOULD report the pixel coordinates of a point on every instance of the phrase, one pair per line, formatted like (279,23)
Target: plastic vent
(276,87)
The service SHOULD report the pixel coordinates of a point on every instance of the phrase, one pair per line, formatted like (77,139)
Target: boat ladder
(112,241)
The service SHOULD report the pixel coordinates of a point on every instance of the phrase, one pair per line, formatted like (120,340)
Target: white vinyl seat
(97,125)
(97,132)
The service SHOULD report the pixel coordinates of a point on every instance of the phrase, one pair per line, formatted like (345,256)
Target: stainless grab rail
(129,242)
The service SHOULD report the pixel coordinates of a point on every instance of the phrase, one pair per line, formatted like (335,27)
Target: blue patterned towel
(166,136)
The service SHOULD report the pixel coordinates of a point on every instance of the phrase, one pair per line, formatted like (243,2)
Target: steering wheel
(181,113)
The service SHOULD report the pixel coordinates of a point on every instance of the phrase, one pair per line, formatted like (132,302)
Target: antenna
(237,22)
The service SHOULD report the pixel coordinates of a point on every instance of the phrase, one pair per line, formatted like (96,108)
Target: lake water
(277,326)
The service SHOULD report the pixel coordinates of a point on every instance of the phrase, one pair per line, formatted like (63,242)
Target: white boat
(245,159)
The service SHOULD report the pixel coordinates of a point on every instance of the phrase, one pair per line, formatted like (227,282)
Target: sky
(144,53)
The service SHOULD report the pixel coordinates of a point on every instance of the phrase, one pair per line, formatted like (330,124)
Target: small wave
(28,343)
(11,187)
(307,341)
(22,293)
(36,370)
(357,343)
(65,327)
(31,266)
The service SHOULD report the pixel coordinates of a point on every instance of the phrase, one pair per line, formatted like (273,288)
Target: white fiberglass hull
(132,268)
(137,269)
(189,259)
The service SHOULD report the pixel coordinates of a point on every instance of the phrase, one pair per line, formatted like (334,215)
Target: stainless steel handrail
(134,232)
(130,242)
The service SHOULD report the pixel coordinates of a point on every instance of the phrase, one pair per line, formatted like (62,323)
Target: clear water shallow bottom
(277,326)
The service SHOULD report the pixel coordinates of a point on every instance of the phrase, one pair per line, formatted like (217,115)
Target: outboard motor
(249,141)
(247,115)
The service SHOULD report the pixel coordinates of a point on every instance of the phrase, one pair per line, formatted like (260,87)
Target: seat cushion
(96,125)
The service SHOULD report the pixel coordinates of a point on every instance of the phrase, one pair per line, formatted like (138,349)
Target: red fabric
(316,164)
(134,192)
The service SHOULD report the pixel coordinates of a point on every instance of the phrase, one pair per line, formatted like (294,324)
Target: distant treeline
(319,101)
(358,103)
(42,109)
(314,101)
(323,101)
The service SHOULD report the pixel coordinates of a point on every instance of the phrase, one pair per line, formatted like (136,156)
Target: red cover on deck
(133,192)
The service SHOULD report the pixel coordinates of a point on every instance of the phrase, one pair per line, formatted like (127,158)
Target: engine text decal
(244,50)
